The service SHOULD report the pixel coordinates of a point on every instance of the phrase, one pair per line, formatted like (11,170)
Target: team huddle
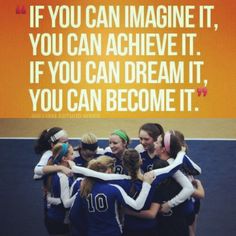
(91,191)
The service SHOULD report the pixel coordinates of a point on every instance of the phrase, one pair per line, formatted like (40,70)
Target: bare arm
(199,191)
(149,214)
(48,169)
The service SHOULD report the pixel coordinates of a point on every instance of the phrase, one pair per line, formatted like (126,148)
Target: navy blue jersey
(147,161)
(78,217)
(118,168)
(80,161)
(173,223)
(75,186)
(60,189)
(102,208)
(133,222)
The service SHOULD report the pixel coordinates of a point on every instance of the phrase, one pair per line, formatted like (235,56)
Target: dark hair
(158,163)
(153,130)
(44,141)
(175,145)
(181,138)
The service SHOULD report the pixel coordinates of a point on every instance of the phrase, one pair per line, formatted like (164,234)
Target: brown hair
(153,129)
(181,138)
(131,163)
(101,164)
(56,158)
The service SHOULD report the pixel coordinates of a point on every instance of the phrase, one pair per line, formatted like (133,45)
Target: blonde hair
(88,147)
(101,164)
(89,138)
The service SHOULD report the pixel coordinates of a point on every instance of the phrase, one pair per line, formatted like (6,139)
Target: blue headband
(63,152)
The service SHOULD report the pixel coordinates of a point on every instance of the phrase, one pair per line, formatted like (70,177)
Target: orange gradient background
(217,49)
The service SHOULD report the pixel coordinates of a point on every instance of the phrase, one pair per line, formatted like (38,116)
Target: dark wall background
(21,198)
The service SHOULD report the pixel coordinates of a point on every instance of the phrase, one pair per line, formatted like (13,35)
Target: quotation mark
(20,10)
(202,91)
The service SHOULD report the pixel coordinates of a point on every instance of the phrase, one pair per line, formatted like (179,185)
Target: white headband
(58,135)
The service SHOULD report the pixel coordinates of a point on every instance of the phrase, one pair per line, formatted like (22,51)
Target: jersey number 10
(97,203)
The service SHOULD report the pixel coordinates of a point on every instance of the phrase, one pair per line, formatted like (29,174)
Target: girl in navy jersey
(101,200)
(118,143)
(198,193)
(170,146)
(46,141)
(134,226)
(174,222)
(166,147)
(58,187)
(148,134)
(87,150)
(132,161)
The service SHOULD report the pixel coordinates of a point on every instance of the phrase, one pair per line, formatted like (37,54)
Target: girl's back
(102,210)
(133,222)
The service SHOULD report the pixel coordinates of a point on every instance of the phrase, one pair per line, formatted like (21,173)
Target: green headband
(121,134)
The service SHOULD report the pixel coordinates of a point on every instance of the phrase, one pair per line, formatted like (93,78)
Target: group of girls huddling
(90,191)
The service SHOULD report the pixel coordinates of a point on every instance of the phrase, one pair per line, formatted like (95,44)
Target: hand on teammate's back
(149,177)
